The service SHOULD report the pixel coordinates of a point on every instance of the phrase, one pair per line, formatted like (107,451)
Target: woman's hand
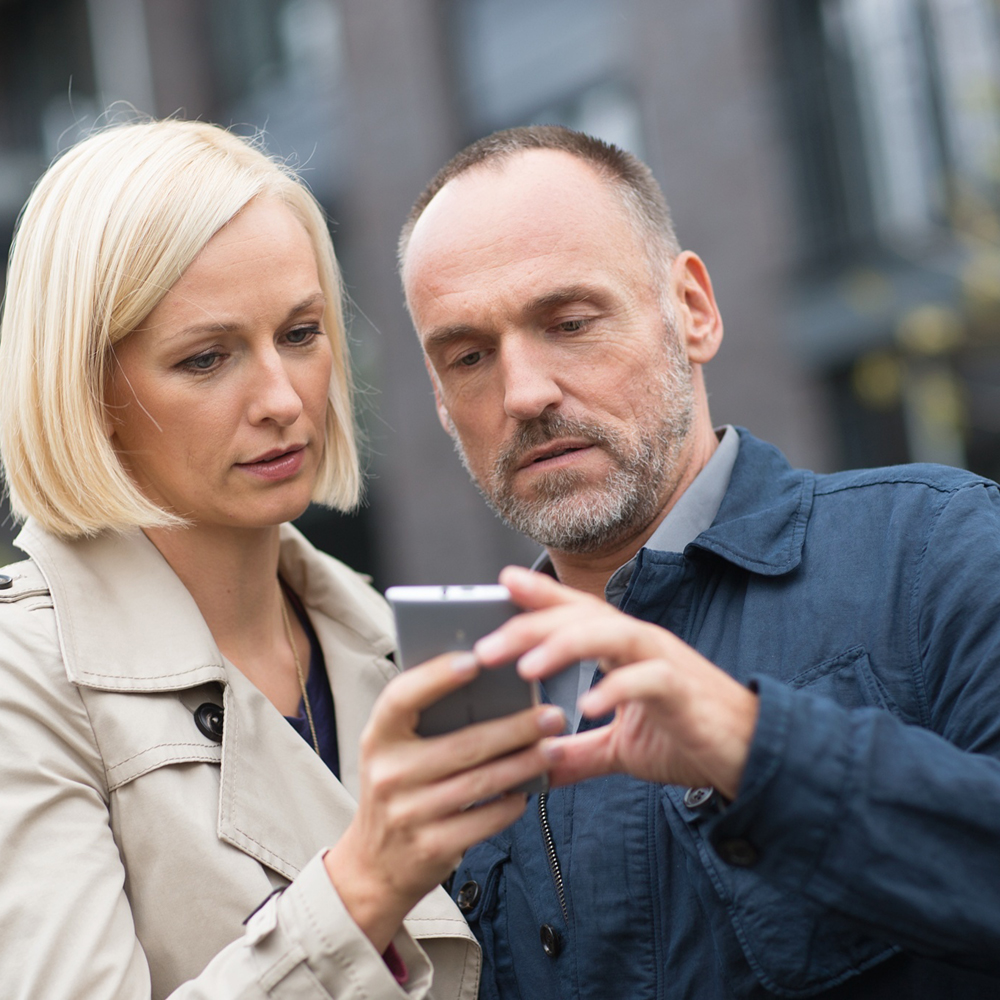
(413,821)
(679,719)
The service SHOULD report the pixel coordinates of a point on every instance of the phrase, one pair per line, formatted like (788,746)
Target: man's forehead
(536,167)
(501,195)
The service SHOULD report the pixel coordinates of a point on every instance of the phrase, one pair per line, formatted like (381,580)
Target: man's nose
(530,385)
(273,395)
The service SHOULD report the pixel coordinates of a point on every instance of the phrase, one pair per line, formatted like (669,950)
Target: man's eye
(468,360)
(572,325)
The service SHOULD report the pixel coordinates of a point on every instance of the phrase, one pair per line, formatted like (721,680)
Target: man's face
(564,385)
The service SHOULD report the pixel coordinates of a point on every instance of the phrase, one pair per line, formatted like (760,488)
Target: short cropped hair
(641,195)
(106,232)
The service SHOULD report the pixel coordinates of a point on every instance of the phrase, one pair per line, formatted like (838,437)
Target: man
(818,813)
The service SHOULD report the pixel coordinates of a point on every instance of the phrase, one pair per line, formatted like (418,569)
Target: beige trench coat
(132,847)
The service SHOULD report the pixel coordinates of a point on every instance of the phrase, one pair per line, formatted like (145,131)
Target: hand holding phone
(435,620)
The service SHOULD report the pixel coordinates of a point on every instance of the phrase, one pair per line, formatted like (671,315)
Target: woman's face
(218,400)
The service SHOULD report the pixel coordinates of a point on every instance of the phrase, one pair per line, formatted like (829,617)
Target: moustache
(539,431)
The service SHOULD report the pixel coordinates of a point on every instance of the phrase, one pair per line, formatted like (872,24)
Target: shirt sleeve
(893,824)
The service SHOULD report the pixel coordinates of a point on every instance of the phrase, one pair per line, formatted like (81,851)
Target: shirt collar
(757,508)
(761,523)
(693,513)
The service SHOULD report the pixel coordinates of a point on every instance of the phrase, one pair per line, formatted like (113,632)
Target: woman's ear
(699,320)
(112,397)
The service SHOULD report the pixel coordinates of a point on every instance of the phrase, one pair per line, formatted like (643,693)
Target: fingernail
(531,660)
(488,647)
(554,750)
(587,701)
(464,663)
(551,720)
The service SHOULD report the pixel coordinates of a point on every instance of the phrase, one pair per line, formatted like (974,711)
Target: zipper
(550,851)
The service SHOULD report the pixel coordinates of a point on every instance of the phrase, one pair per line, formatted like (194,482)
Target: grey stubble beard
(565,515)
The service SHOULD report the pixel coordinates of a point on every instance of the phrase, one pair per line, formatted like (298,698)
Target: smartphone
(435,620)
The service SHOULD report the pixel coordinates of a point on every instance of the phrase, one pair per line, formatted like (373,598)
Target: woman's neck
(233,578)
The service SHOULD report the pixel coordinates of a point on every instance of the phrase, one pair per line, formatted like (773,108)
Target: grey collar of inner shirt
(693,513)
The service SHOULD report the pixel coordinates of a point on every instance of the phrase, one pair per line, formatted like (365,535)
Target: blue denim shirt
(861,857)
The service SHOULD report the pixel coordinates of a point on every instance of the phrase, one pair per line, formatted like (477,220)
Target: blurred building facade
(836,163)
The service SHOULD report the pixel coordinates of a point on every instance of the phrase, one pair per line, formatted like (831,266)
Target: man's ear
(699,320)
(442,410)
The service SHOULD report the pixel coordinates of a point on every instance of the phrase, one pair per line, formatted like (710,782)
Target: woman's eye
(302,335)
(202,362)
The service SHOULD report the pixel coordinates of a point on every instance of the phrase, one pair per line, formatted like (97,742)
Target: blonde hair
(106,232)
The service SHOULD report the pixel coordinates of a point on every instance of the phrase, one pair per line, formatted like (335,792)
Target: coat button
(551,940)
(468,896)
(208,719)
(6,582)
(737,852)
(695,798)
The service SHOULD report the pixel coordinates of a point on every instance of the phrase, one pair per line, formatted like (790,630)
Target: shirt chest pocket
(849,680)
(794,946)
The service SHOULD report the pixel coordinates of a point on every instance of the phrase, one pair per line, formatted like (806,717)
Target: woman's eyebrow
(221,326)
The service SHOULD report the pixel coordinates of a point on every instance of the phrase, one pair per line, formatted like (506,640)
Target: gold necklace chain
(298,670)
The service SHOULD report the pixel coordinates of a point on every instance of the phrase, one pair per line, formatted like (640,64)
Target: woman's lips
(275,466)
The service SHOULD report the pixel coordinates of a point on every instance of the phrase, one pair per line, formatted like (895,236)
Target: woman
(175,386)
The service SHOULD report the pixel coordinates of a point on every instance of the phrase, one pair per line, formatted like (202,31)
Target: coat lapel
(354,627)
(278,802)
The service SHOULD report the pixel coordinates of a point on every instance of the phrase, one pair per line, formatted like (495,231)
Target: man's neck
(590,572)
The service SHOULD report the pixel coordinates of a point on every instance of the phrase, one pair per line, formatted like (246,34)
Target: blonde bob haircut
(106,232)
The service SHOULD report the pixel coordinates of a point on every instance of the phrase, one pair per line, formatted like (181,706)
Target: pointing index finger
(532,590)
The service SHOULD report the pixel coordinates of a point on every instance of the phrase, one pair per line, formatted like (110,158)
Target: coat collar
(117,605)
(122,581)
(761,524)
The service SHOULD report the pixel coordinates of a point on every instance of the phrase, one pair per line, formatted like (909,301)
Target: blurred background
(835,162)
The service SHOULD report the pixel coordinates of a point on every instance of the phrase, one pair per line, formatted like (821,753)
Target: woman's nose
(273,395)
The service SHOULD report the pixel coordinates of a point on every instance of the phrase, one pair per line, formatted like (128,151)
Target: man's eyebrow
(217,326)
(442,336)
(564,297)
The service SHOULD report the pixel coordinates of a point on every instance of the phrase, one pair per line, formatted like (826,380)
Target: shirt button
(695,798)
(737,852)
(551,940)
(208,718)
(6,582)
(468,896)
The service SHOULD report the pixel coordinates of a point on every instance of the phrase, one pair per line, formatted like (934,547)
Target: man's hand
(679,719)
